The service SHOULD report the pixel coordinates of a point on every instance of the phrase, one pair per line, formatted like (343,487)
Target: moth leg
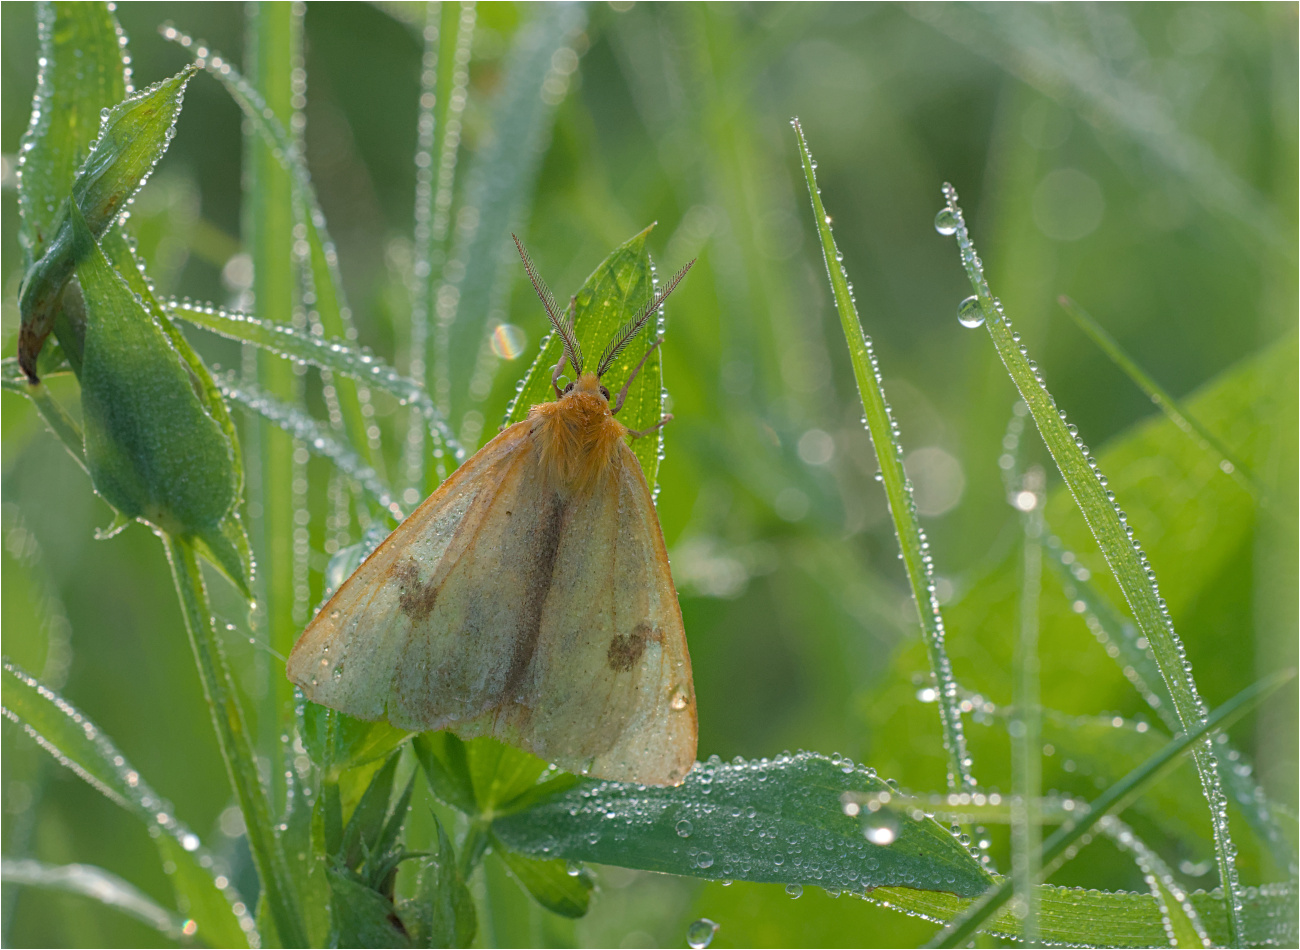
(622,393)
(664,421)
(559,368)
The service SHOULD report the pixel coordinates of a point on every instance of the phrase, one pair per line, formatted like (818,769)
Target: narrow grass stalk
(55,417)
(898,489)
(1118,544)
(1114,799)
(448,32)
(274,30)
(1165,402)
(235,743)
(1026,748)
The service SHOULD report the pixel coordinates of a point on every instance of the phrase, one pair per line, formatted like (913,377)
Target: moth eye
(604,392)
(567,389)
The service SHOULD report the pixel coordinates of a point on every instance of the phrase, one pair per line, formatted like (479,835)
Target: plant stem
(1026,764)
(235,742)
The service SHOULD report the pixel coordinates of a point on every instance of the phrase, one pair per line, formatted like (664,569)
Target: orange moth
(529,597)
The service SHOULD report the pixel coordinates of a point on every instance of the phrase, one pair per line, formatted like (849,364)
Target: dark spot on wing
(416,599)
(537,585)
(626,649)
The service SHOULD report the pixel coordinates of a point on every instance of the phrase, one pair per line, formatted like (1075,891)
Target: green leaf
(500,773)
(913,547)
(1128,563)
(78,744)
(445,761)
(152,450)
(361,917)
(134,136)
(81,74)
(551,883)
(337,742)
(99,885)
(612,295)
(781,821)
(367,822)
(442,912)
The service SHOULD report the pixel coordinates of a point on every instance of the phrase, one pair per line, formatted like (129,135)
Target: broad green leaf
(612,295)
(361,917)
(81,74)
(99,885)
(913,547)
(554,883)
(1119,545)
(134,136)
(337,742)
(442,912)
(500,773)
(152,450)
(78,744)
(445,761)
(782,821)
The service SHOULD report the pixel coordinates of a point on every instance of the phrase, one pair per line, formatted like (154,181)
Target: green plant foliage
(1139,159)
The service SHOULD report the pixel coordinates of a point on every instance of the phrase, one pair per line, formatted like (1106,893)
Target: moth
(528,598)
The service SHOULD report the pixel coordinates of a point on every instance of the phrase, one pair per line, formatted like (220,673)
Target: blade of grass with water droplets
(312,434)
(94,883)
(321,262)
(1165,402)
(1116,798)
(78,744)
(1124,643)
(498,184)
(1182,922)
(448,32)
(332,354)
(1117,542)
(1025,725)
(898,489)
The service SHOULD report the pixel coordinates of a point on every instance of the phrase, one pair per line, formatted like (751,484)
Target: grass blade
(78,744)
(330,354)
(1116,539)
(314,435)
(448,33)
(898,489)
(1025,728)
(1116,798)
(95,883)
(56,418)
(1165,402)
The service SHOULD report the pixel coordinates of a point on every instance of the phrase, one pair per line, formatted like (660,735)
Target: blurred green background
(1140,158)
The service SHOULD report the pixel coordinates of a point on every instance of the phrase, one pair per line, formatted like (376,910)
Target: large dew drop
(945,222)
(970,314)
(700,933)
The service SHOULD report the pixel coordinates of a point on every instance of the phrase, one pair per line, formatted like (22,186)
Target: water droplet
(881,828)
(704,860)
(945,222)
(700,933)
(684,828)
(970,314)
(794,890)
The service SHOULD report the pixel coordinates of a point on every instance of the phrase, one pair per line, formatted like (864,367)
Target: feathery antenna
(563,326)
(630,329)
